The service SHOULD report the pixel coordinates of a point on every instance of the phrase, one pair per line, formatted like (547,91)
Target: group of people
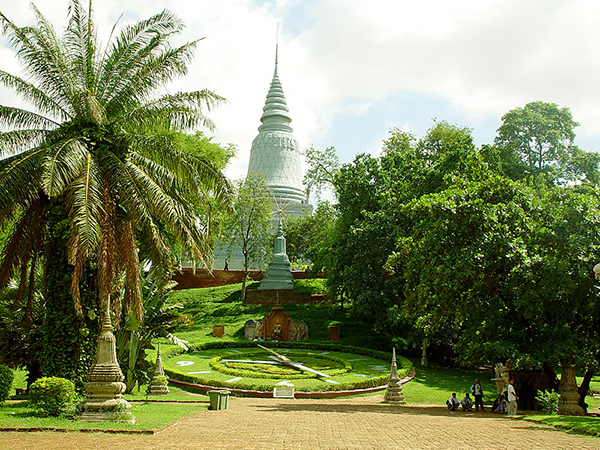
(504,403)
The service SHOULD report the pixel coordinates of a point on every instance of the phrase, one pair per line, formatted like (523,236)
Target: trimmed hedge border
(298,394)
(369,383)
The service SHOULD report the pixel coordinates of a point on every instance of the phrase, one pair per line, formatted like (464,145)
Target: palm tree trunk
(68,345)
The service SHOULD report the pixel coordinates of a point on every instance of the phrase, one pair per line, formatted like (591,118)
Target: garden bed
(231,365)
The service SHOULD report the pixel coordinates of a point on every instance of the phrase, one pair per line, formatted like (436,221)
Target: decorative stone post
(502,377)
(568,400)
(424,354)
(158,385)
(393,393)
(105,383)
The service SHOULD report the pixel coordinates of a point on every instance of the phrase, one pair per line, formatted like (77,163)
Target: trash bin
(218,399)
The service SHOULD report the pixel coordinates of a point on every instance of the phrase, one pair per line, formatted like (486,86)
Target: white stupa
(276,155)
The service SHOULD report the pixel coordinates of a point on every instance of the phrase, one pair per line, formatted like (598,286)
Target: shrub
(52,395)
(548,401)
(6,380)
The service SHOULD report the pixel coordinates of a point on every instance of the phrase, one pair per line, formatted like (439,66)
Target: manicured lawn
(222,306)
(586,425)
(196,367)
(149,416)
(434,384)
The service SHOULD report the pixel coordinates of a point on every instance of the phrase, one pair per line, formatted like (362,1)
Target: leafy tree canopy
(538,140)
(91,148)
(249,227)
(508,266)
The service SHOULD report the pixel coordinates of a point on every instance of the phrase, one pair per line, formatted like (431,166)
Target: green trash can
(218,399)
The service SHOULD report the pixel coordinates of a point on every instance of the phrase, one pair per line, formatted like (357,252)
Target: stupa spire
(276,51)
(275,152)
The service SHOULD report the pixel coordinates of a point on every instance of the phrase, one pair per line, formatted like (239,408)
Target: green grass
(588,425)
(149,416)
(311,285)
(434,384)
(222,306)
(195,367)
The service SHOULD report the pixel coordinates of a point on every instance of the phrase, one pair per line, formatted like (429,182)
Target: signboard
(283,392)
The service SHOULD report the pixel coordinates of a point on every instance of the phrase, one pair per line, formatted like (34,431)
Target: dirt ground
(340,424)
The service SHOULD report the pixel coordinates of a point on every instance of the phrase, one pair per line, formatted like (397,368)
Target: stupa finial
(276,50)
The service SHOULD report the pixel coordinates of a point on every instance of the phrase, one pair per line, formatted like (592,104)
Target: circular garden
(245,366)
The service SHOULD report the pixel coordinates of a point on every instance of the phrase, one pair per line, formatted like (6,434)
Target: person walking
(477,392)
(512,398)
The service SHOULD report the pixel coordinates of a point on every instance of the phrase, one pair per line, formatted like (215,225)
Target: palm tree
(88,176)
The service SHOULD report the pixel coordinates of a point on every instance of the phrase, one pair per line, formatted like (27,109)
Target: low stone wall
(201,278)
(268,297)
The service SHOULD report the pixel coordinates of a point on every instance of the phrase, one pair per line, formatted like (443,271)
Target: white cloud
(483,57)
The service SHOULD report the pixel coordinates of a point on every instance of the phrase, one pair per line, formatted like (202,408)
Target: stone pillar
(568,400)
(393,393)
(159,382)
(424,354)
(105,383)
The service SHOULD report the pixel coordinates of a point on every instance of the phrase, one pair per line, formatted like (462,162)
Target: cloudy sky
(353,69)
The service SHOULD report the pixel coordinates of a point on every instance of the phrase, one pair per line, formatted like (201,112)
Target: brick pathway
(341,424)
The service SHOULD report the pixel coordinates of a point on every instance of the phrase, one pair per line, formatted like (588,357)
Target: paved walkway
(341,424)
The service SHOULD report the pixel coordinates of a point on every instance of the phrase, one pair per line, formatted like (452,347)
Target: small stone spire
(105,382)
(159,382)
(279,273)
(393,393)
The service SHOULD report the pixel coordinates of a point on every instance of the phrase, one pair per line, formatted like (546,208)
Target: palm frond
(131,264)
(146,74)
(130,49)
(178,217)
(56,62)
(31,93)
(109,247)
(132,200)
(17,141)
(39,63)
(63,163)
(84,203)
(21,118)
(19,181)
(24,241)
(77,260)
(180,110)
(80,39)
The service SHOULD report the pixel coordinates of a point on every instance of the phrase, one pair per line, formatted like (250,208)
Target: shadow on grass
(381,408)
(442,381)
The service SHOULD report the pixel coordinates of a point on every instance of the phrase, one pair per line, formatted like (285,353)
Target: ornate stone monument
(105,383)
(568,400)
(279,273)
(277,325)
(502,377)
(393,393)
(159,382)
(276,155)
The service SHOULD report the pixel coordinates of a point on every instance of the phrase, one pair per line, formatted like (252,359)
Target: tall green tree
(509,266)
(323,165)
(538,140)
(249,227)
(371,193)
(308,237)
(87,175)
